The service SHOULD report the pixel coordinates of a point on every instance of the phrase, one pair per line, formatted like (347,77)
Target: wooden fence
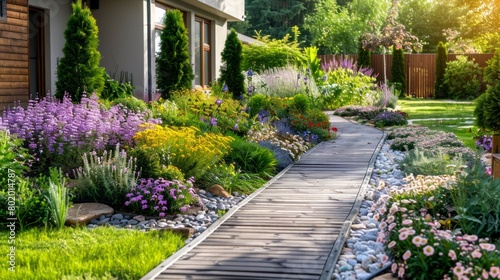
(420,69)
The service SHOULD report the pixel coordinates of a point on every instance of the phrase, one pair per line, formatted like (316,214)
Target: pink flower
(391,226)
(394,268)
(391,244)
(385,258)
(452,255)
(470,238)
(459,270)
(428,250)
(476,254)
(407,255)
(485,275)
(417,241)
(487,246)
(401,272)
(494,271)
(407,222)
(390,219)
(382,225)
(403,235)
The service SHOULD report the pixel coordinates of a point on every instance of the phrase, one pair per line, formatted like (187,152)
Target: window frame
(3,10)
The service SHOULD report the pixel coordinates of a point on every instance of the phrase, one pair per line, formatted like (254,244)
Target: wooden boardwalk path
(295,227)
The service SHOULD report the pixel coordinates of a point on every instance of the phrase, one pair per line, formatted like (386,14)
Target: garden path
(294,227)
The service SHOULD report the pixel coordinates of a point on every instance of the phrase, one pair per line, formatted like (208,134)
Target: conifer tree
(231,71)
(398,73)
(173,68)
(364,56)
(78,70)
(440,90)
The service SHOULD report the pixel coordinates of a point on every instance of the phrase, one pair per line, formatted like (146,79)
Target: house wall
(14,76)
(123,40)
(57,13)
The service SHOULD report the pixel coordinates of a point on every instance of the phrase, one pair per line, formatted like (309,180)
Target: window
(3,10)
(159,17)
(202,44)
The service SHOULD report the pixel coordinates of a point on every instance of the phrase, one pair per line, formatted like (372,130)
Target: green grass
(435,109)
(79,253)
(430,108)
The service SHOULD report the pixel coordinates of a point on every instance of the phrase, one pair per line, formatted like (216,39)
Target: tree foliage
(487,109)
(461,79)
(440,90)
(336,28)
(364,56)
(269,53)
(276,18)
(230,72)
(398,74)
(78,70)
(173,67)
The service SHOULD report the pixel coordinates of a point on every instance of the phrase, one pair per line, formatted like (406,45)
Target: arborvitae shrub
(364,56)
(173,67)
(398,71)
(487,110)
(441,58)
(461,79)
(231,71)
(78,70)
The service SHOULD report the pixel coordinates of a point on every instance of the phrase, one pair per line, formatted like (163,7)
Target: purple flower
(250,73)
(225,88)
(218,102)
(236,127)
(213,121)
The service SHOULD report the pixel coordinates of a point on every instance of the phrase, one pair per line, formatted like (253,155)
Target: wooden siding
(295,227)
(420,69)
(14,69)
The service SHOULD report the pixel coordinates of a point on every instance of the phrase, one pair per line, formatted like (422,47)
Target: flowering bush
(159,197)
(484,143)
(58,133)
(389,119)
(313,126)
(184,147)
(416,228)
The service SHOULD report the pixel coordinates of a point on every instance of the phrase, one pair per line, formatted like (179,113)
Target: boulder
(185,232)
(218,190)
(82,213)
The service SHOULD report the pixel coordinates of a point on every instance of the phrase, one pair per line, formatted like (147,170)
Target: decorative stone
(82,213)
(358,226)
(218,190)
(139,218)
(185,232)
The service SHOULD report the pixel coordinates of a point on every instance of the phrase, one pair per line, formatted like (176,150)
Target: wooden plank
(235,275)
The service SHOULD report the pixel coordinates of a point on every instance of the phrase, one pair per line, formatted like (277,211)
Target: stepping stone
(83,213)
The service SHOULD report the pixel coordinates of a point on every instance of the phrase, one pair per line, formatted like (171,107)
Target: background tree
(441,59)
(78,70)
(173,68)
(231,71)
(276,18)
(364,56)
(392,34)
(336,28)
(398,73)
(427,19)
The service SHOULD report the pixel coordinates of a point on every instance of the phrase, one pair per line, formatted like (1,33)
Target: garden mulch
(295,226)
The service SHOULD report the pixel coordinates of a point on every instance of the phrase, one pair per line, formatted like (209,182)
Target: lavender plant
(160,197)
(389,119)
(58,133)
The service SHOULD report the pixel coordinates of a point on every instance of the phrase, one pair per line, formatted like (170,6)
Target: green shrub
(461,79)
(273,53)
(388,97)
(14,159)
(256,103)
(420,162)
(230,72)
(476,199)
(251,158)
(171,173)
(78,70)
(398,71)
(113,89)
(364,56)
(106,178)
(147,162)
(131,103)
(173,67)
(440,90)
(487,109)
(300,103)
(232,179)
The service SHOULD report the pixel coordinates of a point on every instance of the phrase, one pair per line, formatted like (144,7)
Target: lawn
(426,111)
(79,253)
